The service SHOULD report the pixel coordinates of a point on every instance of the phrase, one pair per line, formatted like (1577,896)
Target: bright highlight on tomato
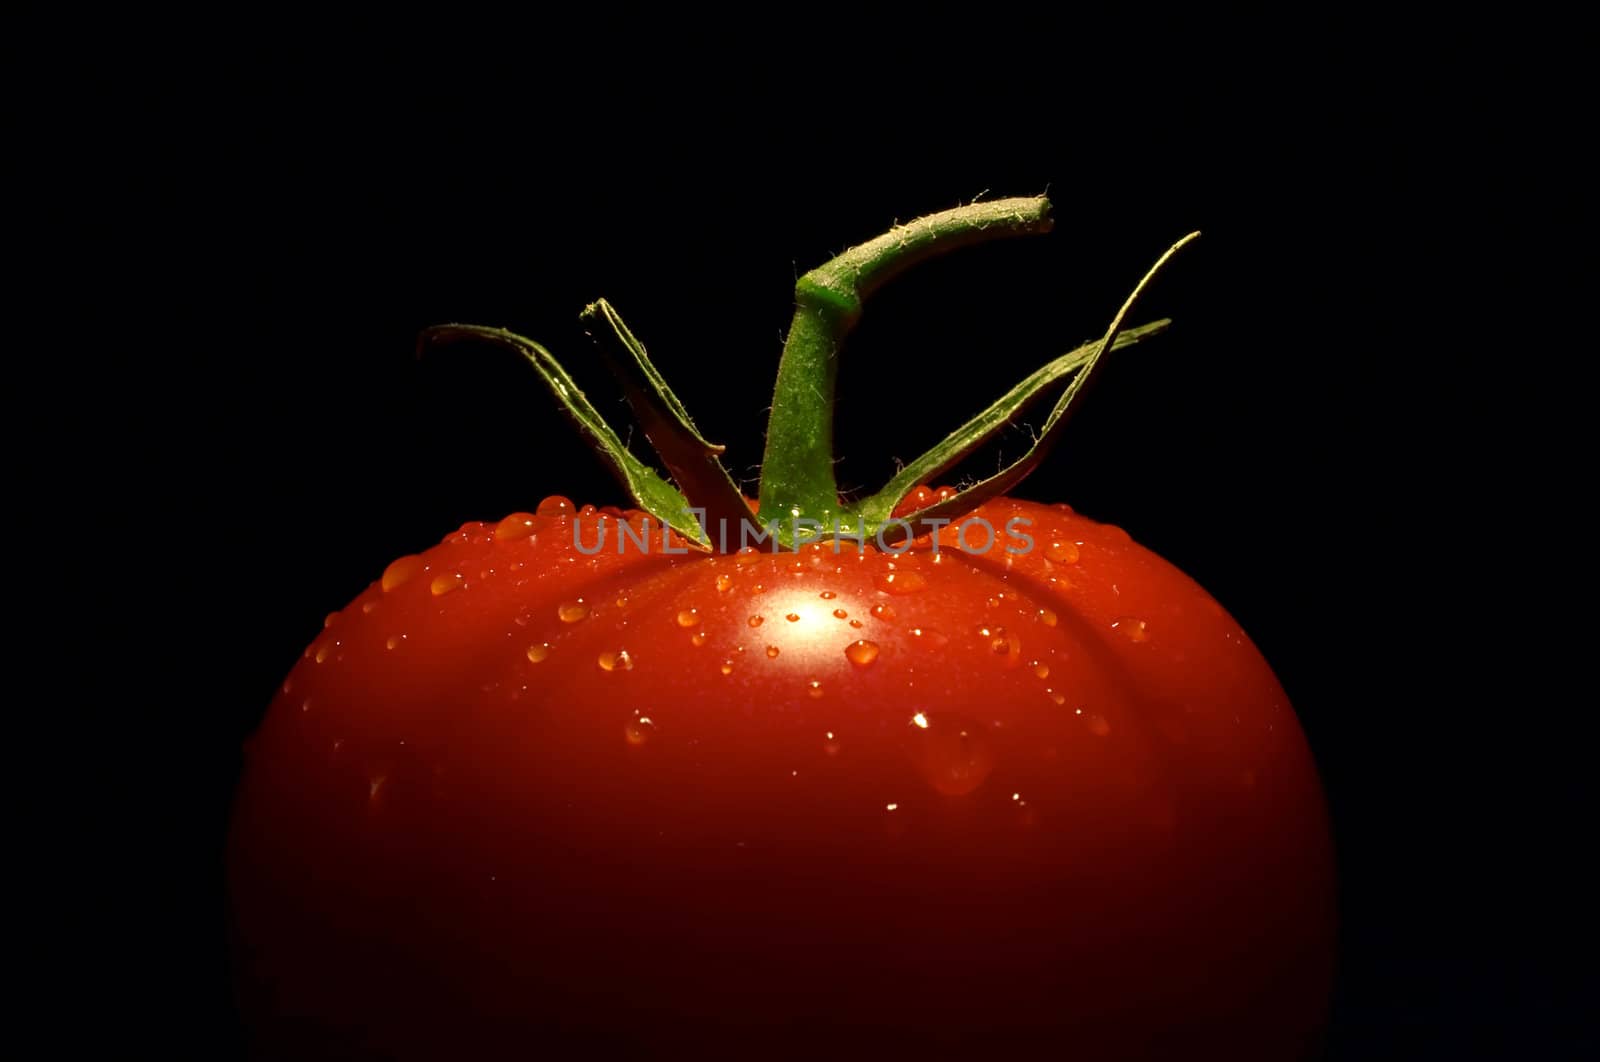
(879,785)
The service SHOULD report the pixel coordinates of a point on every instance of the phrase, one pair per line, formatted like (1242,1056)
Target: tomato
(971,791)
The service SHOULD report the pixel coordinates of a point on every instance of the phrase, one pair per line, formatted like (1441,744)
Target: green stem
(797,479)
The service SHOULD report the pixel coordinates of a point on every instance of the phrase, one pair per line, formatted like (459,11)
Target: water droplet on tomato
(929,638)
(697,639)
(367,607)
(1047,617)
(394,641)
(883,612)
(814,689)
(1059,698)
(827,595)
(793,617)
(1097,725)
(1131,628)
(953,753)
(616,661)
(1040,668)
(572,611)
(639,729)
(1062,552)
(539,653)
(688,617)
(401,570)
(902,582)
(861,653)
(772,652)
(756,621)
(919,498)
(840,613)
(555,505)
(514,527)
(727,667)
(446,582)
(1004,643)
(323,652)
(830,744)
(724,583)
(855,623)
(747,556)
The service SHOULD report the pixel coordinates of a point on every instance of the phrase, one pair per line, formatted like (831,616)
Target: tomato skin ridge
(450,843)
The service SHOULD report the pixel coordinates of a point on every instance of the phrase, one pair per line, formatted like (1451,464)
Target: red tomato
(768,804)
(1022,787)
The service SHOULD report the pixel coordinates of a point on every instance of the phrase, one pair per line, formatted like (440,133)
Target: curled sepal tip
(1003,481)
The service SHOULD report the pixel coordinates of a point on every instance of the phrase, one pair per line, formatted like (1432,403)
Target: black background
(246,237)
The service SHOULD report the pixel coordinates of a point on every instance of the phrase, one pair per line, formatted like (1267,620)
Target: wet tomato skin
(769,804)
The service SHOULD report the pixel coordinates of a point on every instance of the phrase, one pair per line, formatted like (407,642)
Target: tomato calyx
(798,496)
